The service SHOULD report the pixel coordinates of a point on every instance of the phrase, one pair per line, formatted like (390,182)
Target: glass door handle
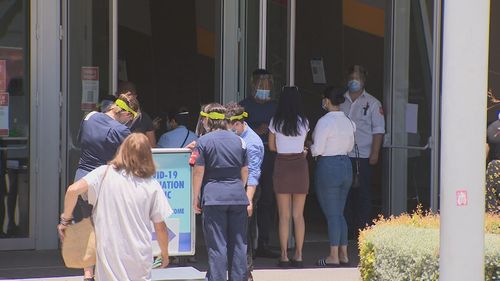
(409,147)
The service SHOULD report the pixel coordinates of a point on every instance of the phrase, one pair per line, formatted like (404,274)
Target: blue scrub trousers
(225,232)
(359,201)
(333,181)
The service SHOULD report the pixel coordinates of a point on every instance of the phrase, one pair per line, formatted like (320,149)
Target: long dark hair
(289,116)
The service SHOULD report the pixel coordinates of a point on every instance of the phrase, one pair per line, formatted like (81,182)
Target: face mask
(354,86)
(261,94)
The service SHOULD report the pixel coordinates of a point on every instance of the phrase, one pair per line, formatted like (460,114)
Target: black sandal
(322,262)
(283,264)
(297,264)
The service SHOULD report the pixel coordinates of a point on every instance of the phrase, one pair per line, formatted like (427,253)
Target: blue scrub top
(223,154)
(176,138)
(99,137)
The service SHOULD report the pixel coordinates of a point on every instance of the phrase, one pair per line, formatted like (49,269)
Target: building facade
(59,57)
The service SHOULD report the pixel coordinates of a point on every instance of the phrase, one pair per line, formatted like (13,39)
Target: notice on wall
(412,118)
(90,87)
(4,114)
(174,175)
(4,100)
(318,71)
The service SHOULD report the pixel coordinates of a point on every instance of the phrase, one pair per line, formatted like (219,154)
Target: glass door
(412,101)
(16,225)
(88,60)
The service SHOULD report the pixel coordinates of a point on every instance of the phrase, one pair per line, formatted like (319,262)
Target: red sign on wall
(3,75)
(462,199)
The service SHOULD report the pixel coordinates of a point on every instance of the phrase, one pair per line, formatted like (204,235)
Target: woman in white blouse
(333,138)
(288,130)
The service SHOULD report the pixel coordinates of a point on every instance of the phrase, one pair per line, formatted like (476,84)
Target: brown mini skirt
(291,174)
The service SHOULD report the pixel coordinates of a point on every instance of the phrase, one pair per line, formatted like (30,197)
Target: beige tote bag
(79,244)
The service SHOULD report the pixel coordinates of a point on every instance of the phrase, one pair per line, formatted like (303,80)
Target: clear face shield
(262,86)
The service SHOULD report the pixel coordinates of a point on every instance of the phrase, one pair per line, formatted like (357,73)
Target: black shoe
(283,264)
(265,252)
(297,264)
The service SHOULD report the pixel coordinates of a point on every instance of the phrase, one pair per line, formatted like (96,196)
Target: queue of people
(249,158)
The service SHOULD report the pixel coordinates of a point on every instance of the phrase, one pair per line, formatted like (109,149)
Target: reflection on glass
(14,119)
(88,57)
(420,97)
(277,42)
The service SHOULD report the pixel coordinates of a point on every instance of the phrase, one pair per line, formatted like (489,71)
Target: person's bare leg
(343,255)
(299,201)
(283,201)
(88,272)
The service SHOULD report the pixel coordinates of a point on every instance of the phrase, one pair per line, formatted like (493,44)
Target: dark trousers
(225,232)
(266,205)
(359,201)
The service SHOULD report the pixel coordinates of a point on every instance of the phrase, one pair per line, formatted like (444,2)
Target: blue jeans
(333,181)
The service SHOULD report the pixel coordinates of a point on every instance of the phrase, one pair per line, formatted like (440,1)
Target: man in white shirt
(368,115)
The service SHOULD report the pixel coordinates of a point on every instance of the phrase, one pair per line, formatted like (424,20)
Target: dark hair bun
(335,95)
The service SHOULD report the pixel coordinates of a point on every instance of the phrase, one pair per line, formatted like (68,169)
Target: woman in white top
(129,199)
(333,138)
(288,131)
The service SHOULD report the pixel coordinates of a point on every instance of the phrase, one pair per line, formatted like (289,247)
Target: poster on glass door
(4,100)
(90,87)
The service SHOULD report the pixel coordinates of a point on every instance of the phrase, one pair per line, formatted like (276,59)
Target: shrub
(407,248)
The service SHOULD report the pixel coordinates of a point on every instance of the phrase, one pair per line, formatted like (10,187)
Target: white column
(262,34)
(463,131)
(290,81)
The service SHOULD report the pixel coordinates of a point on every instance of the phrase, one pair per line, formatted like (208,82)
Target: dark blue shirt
(99,137)
(223,154)
(259,114)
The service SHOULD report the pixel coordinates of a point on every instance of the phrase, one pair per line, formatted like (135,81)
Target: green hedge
(408,252)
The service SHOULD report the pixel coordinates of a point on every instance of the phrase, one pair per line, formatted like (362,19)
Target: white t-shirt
(333,135)
(290,144)
(126,206)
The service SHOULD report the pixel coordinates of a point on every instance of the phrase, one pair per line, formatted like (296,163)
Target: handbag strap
(100,188)
(356,148)
(185,139)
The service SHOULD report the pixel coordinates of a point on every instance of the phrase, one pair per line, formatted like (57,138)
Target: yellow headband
(213,115)
(121,104)
(239,117)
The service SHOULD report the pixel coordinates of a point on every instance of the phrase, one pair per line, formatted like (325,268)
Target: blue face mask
(262,94)
(354,86)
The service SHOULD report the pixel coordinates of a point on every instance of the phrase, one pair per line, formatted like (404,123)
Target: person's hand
(196,205)
(165,260)
(262,129)
(250,209)
(61,229)
(191,145)
(373,160)
(156,123)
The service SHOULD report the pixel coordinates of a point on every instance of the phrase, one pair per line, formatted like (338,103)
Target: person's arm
(319,137)
(198,172)
(375,151)
(272,142)
(162,237)
(378,131)
(250,193)
(244,174)
(151,137)
(70,199)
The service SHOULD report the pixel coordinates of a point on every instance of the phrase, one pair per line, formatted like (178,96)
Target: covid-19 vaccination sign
(174,175)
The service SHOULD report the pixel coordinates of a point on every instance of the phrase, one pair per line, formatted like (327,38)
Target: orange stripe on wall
(363,17)
(205,42)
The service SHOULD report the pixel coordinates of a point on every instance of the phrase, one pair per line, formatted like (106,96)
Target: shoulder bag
(79,244)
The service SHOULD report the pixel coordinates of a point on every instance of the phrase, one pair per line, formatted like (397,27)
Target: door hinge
(60,99)
(37,32)
(239,34)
